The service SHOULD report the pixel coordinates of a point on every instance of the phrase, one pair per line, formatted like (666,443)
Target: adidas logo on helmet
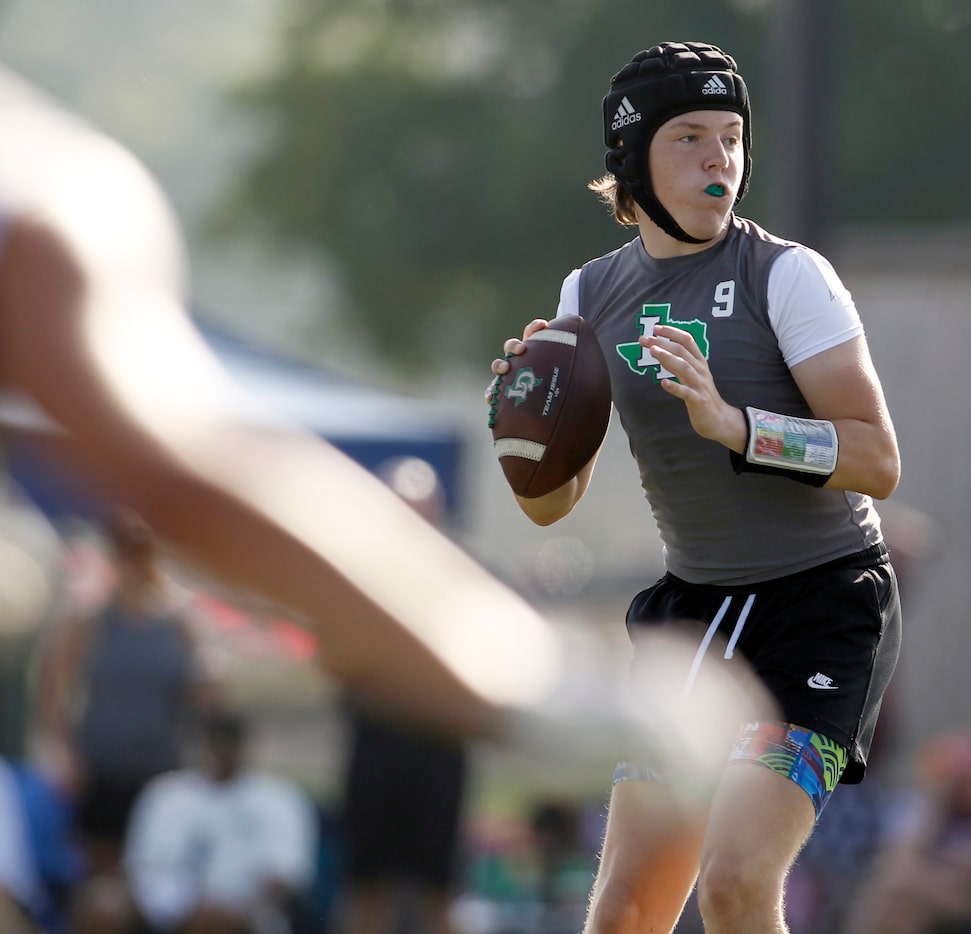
(625,115)
(714,85)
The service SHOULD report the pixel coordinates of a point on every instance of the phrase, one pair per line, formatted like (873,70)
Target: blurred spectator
(30,552)
(566,863)
(221,848)
(117,689)
(400,826)
(20,890)
(531,872)
(403,792)
(58,860)
(825,878)
(920,883)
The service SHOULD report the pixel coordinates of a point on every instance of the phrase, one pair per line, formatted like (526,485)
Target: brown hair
(616,197)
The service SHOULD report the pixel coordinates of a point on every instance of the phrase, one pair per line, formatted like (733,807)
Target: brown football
(549,413)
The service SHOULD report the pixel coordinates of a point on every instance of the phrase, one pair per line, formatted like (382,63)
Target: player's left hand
(711,416)
(514,345)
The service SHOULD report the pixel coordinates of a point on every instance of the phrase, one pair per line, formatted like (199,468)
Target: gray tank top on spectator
(137,677)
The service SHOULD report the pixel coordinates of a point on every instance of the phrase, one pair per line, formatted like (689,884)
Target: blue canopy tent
(369,425)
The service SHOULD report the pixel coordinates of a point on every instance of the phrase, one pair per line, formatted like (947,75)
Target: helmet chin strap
(658,213)
(637,181)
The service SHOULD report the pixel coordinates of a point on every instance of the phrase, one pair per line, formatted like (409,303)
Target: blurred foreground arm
(93,327)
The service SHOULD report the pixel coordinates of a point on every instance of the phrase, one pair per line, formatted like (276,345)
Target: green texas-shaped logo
(640,359)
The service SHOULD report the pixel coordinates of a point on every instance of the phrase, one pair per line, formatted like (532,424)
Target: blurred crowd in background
(138,796)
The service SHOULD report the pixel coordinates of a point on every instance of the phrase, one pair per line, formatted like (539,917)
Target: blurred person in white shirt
(221,848)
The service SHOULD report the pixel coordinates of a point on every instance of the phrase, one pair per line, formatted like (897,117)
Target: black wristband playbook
(810,443)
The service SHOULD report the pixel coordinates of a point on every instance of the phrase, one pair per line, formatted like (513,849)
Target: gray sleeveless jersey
(717,527)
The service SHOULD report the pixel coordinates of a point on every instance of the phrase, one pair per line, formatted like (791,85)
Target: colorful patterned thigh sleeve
(814,762)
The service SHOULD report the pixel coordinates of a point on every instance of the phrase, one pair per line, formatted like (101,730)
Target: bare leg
(649,863)
(759,822)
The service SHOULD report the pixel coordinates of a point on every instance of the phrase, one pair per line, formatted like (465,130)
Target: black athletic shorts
(824,641)
(402,806)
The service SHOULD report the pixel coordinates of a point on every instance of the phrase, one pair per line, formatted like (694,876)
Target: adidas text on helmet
(714,85)
(624,121)
(625,115)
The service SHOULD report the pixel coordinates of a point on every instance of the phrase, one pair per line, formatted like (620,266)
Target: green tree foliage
(435,152)
(900,114)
